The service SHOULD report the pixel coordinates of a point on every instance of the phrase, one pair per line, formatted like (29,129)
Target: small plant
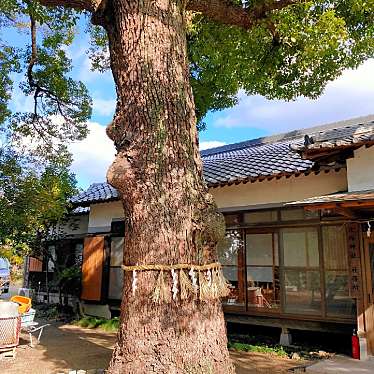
(261,348)
(101,323)
(110,324)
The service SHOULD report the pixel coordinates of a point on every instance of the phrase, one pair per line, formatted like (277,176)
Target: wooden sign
(354,260)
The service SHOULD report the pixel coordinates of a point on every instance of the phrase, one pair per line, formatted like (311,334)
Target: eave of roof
(357,133)
(96,193)
(344,199)
(274,176)
(87,203)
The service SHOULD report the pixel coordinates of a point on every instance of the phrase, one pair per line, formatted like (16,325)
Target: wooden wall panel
(35,264)
(92,268)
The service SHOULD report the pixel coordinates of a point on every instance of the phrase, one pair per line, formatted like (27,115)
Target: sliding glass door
(262,269)
(301,270)
(293,268)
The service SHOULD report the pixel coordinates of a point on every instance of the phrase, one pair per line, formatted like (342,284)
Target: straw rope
(205,282)
(161,267)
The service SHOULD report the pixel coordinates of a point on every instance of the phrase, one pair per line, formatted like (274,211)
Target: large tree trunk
(171,218)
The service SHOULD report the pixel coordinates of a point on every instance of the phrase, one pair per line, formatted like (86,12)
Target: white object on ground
(342,364)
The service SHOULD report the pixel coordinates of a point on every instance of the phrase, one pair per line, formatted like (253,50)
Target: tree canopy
(280,49)
(35,181)
(276,48)
(292,52)
(31,200)
(41,70)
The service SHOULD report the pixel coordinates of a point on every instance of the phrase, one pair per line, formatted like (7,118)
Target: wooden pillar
(357,282)
(368,304)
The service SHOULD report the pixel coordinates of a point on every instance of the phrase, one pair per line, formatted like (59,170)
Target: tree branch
(224,11)
(90,5)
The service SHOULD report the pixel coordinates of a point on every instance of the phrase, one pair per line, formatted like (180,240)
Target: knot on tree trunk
(209,229)
(122,139)
(120,173)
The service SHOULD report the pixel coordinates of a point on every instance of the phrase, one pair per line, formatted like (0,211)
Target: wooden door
(369,300)
(92,268)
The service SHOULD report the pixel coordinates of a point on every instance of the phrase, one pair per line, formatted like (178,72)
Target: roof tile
(272,156)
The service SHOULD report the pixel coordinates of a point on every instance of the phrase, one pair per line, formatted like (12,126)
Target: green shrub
(102,323)
(110,324)
(262,348)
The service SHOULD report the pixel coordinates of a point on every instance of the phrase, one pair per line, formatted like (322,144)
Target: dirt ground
(67,347)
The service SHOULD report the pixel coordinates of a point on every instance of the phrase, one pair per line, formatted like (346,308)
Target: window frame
(240,266)
(116,232)
(326,270)
(276,226)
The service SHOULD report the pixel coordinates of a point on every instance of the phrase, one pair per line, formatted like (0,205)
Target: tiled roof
(253,162)
(258,159)
(353,135)
(97,192)
(80,210)
(338,198)
(231,166)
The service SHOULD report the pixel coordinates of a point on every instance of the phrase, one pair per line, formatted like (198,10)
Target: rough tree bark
(171,218)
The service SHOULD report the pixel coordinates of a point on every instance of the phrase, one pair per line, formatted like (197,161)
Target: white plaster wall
(360,170)
(258,193)
(78,225)
(101,215)
(280,191)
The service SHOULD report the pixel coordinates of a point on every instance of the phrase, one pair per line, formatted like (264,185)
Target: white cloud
(210,144)
(87,75)
(78,53)
(20,102)
(349,96)
(92,156)
(360,80)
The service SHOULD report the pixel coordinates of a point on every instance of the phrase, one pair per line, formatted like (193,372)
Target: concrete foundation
(363,349)
(96,310)
(285,338)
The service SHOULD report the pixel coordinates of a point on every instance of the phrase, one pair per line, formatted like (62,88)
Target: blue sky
(351,95)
